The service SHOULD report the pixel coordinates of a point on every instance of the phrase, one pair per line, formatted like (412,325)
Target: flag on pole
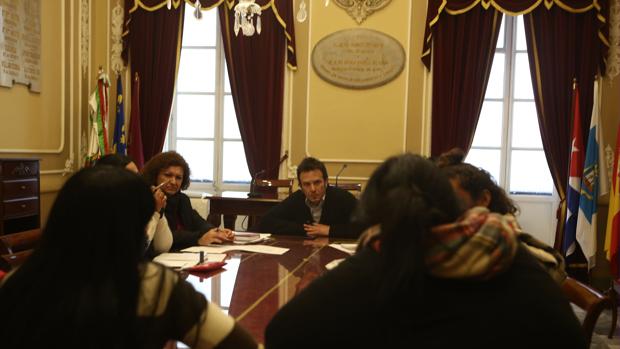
(119,144)
(612,233)
(574,178)
(98,120)
(591,187)
(135,133)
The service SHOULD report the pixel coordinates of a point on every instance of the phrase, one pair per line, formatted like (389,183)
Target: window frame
(218,184)
(508,100)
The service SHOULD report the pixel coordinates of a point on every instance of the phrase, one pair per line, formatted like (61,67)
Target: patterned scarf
(479,245)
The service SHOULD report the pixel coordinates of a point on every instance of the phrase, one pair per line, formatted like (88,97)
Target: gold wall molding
(360,9)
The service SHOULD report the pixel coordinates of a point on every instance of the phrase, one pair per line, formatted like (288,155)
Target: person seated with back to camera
(158,234)
(170,170)
(475,187)
(315,210)
(87,285)
(432,276)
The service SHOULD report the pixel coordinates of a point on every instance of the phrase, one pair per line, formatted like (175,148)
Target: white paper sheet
(346,248)
(177,260)
(331,265)
(184,260)
(248,248)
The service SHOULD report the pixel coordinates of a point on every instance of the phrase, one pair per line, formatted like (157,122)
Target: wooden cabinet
(19,195)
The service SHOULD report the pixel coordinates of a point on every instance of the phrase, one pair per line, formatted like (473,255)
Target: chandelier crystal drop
(302,14)
(197,11)
(244,18)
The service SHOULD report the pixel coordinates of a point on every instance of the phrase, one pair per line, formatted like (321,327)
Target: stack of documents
(244,238)
(186,260)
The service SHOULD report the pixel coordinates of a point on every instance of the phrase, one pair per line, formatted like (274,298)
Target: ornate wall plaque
(358,58)
(20,43)
(360,9)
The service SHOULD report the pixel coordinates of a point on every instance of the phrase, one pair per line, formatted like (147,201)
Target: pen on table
(202,257)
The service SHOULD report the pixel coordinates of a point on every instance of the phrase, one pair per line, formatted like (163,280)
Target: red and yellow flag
(612,234)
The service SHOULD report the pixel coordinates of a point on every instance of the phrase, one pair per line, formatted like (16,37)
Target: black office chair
(268,188)
(354,188)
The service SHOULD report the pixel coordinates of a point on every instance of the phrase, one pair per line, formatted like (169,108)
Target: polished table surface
(230,204)
(252,286)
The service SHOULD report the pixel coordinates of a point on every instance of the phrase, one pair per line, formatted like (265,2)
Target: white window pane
(231,128)
(166,146)
(199,32)
(500,38)
(495,88)
(226,79)
(197,70)
(235,165)
(488,159)
(521,44)
(529,173)
(525,131)
(489,129)
(199,156)
(195,116)
(522,79)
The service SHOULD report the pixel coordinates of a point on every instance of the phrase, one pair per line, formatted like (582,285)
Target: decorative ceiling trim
(116,30)
(85,37)
(613,56)
(360,9)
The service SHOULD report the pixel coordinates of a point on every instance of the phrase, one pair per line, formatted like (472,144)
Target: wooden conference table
(230,204)
(252,286)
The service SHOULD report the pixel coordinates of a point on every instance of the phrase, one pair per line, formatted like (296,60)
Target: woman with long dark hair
(87,286)
(158,234)
(430,276)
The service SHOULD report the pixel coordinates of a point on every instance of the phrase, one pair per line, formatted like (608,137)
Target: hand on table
(316,229)
(216,236)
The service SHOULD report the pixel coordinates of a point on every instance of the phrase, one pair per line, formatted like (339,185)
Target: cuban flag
(574,178)
(593,184)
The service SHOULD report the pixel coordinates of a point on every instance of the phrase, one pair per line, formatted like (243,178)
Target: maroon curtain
(438,8)
(134,145)
(256,72)
(152,43)
(464,47)
(565,41)
(562,46)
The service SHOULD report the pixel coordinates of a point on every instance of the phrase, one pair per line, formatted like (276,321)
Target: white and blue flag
(593,184)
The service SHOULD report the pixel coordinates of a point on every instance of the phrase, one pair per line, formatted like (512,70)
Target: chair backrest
(349,186)
(591,301)
(16,247)
(275,183)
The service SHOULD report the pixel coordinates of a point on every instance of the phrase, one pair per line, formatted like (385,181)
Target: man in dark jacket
(315,210)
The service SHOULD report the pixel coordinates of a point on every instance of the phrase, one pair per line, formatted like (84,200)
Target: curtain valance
(278,7)
(437,8)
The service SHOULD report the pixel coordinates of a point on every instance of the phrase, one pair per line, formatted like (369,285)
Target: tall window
(203,125)
(507,141)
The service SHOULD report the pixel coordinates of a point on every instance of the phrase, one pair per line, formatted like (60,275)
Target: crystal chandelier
(244,17)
